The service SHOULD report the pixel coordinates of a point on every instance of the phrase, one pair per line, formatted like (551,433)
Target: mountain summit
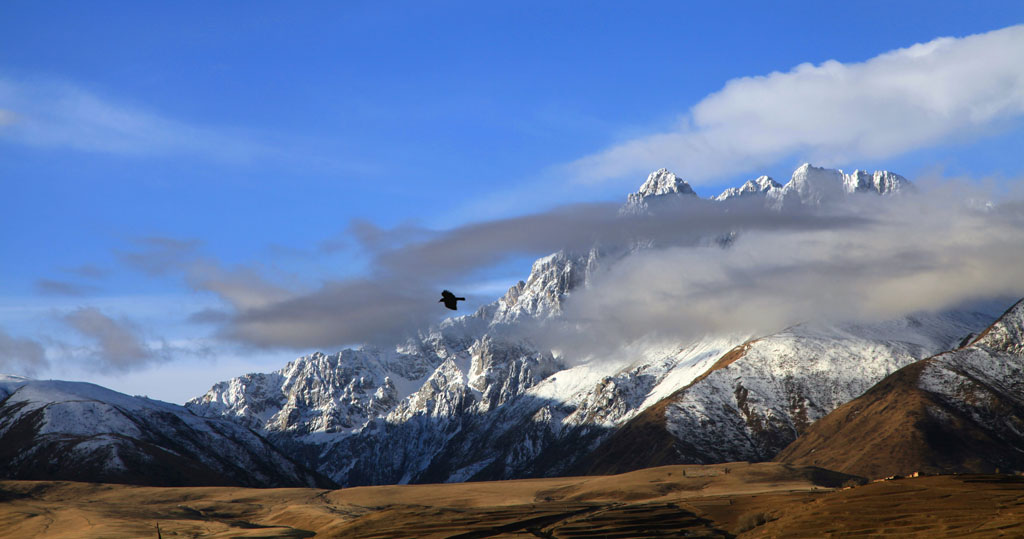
(660,183)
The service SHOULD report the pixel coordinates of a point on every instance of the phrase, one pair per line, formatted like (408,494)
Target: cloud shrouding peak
(922,252)
(862,257)
(895,102)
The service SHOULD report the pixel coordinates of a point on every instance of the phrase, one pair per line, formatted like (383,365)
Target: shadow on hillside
(517,439)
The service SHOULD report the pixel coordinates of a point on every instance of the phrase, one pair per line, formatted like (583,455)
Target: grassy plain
(723,500)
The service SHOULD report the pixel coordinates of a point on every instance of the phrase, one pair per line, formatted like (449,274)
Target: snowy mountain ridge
(52,429)
(761,185)
(813,186)
(469,400)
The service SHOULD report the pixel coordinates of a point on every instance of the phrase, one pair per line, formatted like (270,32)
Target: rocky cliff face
(551,279)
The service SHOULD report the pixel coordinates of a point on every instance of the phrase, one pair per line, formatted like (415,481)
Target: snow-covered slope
(79,431)
(763,394)
(960,411)
(528,418)
(472,399)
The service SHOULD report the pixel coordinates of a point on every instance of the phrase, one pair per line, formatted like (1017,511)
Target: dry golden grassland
(724,500)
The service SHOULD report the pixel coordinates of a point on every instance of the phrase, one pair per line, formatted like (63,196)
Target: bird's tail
(457,299)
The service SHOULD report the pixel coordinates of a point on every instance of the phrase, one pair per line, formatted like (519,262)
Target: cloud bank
(923,253)
(834,112)
(869,258)
(398,298)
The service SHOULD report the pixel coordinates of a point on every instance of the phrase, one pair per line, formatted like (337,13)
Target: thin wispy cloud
(20,355)
(6,117)
(919,96)
(242,287)
(89,271)
(117,345)
(55,114)
(63,288)
(157,255)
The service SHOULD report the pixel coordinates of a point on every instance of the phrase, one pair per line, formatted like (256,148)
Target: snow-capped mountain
(470,399)
(960,411)
(78,431)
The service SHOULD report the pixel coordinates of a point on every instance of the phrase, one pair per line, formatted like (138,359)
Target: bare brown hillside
(957,412)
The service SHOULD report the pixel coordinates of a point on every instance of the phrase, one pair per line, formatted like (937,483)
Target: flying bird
(449,299)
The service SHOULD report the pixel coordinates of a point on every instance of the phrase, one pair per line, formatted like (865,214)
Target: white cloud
(895,102)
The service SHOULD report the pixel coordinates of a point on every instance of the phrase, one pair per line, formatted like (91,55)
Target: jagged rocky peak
(659,184)
(1006,334)
(811,185)
(551,278)
(663,182)
(882,182)
(761,185)
(321,392)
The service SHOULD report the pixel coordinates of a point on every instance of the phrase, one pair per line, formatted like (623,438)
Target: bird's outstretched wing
(450,300)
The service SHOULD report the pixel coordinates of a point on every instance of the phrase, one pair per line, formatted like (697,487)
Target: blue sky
(164,160)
